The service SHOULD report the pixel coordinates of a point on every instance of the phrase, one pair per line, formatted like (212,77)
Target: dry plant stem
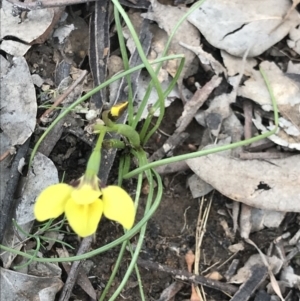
(62,97)
(248,107)
(68,287)
(45,3)
(191,107)
(188,277)
(273,280)
(82,280)
(200,231)
(235,215)
(5,154)
(264,156)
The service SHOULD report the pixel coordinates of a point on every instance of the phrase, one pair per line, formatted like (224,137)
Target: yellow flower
(84,205)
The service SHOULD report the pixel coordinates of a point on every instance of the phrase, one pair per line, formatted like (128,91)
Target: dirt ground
(171,231)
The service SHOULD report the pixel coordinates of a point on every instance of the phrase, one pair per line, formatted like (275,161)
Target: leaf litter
(270,185)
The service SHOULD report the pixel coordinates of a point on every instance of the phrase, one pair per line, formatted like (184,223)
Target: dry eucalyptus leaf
(198,187)
(243,273)
(272,184)
(21,287)
(18,102)
(265,218)
(235,65)
(167,17)
(288,275)
(31,28)
(206,58)
(287,95)
(294,39)
(239,25)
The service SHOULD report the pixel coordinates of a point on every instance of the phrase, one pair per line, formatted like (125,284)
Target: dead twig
(62,97)
(10,151)
(248,107)
(72,277)
(264,156)
(188,277)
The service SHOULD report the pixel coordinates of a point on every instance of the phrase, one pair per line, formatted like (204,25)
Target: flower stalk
(85,204)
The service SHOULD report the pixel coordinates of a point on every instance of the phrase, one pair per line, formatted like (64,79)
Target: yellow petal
(85,194)
(84,219)
(118,206)
(51,202)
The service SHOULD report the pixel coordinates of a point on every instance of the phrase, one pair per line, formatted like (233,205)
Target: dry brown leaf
(239,25)
(272,184)
(287,95)
(167,17)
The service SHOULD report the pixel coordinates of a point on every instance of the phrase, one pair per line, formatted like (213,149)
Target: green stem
(93,164)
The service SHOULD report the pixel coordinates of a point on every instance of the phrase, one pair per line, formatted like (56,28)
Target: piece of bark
(108,155)
(8,203)
(99,50)
(258,275)
(248,107)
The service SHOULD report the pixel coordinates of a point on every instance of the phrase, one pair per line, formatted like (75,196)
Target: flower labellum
(85,204)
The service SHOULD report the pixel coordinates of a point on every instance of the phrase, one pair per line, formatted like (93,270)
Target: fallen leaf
(239,25)
(272,184)
(287,95)
(18,102)
(21,287)
(30,29)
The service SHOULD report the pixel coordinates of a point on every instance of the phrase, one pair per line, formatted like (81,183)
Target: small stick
(72,277)
(248,107)
(62,97)
(264,156)
(189,277)
(45,4)
(10,151)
